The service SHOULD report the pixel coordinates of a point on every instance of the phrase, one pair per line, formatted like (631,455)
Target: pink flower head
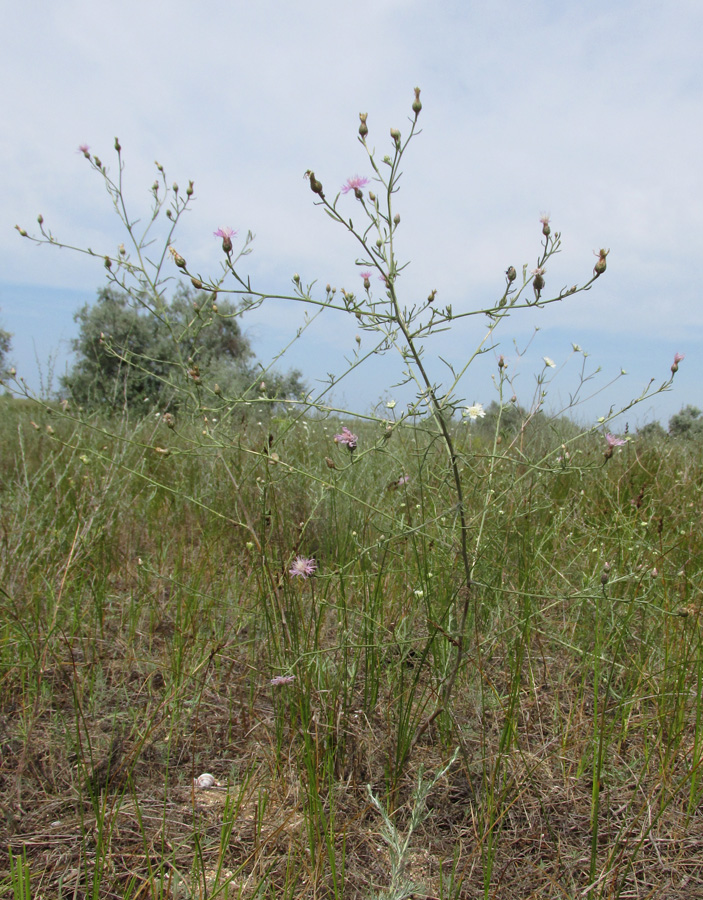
(225,232)
(404,479)
(354,184)
(302,567)
(365,275)
(613,441)
(544,218)
(84,149)
(346,437)
(282,679)
(678,357)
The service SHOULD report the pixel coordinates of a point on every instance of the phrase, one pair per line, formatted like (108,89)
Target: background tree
(687,423)
(5,347)
(126,357)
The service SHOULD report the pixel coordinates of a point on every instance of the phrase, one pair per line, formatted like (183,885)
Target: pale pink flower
(346,437)
(302,567)
(356,183)
(613,441)
(278,680)
(678,357)
(225,232)
(84,149)
(365,275)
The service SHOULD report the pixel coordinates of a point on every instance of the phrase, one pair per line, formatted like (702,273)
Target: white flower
(390,404)
(419,594)
(474,412)
(549,362)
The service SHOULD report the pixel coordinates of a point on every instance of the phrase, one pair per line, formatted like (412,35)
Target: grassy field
(151,632)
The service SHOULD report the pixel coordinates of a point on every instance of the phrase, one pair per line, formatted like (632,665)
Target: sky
(589,112)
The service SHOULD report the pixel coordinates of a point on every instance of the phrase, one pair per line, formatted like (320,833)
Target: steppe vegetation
(433,651)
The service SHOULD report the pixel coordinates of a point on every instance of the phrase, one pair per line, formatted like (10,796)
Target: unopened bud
(40,219)
(600,265)
(330,463)
(363,128)
(197,283)
(189,189)
(217,389)
(96,161)
(511,274)
(118,147)
(395,134)
(315,185)
(174,188)
(538,282)
(396,219)
(155,187)
(179,261)
(501,362)
(21,231)
(432,295)
(108,262)
(417,106)
(262,387)
(296,278)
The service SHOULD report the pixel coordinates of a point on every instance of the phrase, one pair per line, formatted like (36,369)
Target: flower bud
(395,134)
(315,185)
(396,219)
(501,362)
(363,128)
(40,219)
(372,197)
(21,231)
(330,463)
(178,259)
(96,161)
(117,145)
(108,262)
(189,189)
(538,282)
(600,265)
(511,274)
(197,284)
(432,295)
(417,106)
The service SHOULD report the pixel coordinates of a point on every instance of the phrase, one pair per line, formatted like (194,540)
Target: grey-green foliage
(126,356)
(5,346)
(687,423)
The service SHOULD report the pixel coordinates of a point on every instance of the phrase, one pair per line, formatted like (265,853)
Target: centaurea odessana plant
(395,324)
